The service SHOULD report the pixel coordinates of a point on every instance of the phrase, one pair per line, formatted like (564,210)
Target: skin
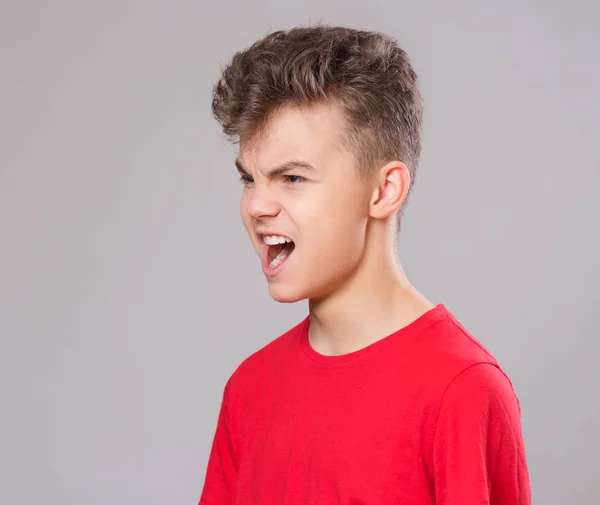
(343,227)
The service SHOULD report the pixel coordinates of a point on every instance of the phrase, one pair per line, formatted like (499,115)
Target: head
(328,122)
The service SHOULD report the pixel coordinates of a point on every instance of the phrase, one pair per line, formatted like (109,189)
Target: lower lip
(267,270)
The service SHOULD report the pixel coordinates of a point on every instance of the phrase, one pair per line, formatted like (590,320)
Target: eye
(294,179)
(246,179)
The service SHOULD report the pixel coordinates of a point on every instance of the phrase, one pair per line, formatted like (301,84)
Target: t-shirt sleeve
(221,471)
(478,451)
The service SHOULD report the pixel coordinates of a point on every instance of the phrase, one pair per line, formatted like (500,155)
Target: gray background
(129,291)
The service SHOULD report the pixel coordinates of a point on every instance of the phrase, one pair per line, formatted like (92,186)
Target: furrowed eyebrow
(280,169)
(241,168)
(290,165)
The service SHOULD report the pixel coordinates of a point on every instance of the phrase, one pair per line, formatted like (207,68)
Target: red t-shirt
(423,416)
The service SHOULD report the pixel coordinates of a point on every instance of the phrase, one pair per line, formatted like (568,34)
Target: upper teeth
(276,239)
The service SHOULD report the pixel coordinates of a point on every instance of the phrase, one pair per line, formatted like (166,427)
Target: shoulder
(453,342)
(454,368)
(263,360)
(473,387)
(481,387)
(448,349)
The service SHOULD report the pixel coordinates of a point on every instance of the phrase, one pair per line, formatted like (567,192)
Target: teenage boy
(378,397)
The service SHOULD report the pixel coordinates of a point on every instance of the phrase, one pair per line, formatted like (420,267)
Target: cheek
(332,218)
(338,229)
(346,209)
(330,200)
(350,221)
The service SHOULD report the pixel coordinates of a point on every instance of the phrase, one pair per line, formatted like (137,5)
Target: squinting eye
(246,179)
(293,179)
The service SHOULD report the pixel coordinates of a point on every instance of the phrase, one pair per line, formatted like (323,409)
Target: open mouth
(279,249)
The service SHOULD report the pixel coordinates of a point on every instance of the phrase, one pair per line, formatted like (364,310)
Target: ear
(391,187)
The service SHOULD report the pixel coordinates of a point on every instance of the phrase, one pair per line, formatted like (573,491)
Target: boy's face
(322,207)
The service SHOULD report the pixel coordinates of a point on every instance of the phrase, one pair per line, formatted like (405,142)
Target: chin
(286,294)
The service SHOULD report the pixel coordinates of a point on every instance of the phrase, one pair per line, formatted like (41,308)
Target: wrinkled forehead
(313,133)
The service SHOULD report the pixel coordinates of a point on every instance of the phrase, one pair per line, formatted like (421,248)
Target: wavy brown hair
(364,72)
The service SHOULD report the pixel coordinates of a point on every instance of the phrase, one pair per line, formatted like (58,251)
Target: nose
(260,202)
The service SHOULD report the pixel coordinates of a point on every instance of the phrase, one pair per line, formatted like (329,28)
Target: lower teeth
(280,257)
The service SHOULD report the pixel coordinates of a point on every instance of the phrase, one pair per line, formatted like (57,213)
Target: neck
(375,302)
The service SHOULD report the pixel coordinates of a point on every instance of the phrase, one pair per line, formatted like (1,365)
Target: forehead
(314,134)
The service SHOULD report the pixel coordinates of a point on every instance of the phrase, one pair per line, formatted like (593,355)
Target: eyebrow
(279,169)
